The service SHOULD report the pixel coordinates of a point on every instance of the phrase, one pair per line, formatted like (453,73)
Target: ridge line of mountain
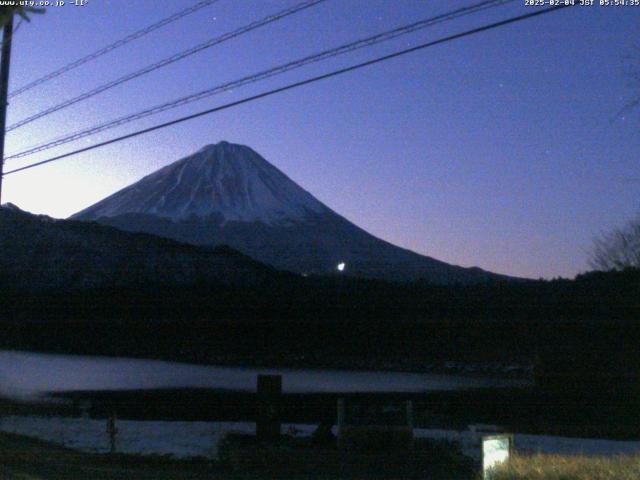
(228,194)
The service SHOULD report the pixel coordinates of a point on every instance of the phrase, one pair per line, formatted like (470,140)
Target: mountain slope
(38,252)
(228,194)
(221,182)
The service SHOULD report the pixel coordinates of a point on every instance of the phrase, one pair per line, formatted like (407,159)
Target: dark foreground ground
(26,459)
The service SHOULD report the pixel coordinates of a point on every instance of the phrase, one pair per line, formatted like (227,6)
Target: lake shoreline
(523,409)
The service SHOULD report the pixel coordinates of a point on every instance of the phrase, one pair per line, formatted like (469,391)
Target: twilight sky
(502,150)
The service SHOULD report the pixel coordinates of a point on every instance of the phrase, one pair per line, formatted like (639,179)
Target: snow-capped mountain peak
(227,194)
(226,181)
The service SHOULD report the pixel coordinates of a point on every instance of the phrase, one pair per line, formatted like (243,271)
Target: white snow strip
(525,443)
(201,439)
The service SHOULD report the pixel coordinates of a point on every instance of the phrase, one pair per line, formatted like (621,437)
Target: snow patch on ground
(201,439)
(525,443)
(177,439)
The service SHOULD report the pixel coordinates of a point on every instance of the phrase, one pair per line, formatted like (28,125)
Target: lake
(29,375)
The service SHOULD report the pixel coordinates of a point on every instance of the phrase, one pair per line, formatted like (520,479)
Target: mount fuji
(228,194)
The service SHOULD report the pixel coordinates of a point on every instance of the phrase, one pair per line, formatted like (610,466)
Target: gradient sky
(502,150)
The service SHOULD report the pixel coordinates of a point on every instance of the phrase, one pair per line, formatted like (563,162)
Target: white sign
(495,451)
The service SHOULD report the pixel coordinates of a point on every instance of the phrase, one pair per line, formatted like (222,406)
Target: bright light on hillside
(341,266)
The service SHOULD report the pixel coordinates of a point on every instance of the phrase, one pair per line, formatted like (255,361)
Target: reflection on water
(28,375)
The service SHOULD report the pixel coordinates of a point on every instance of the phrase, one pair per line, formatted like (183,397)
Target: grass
(23,458)
(569,467)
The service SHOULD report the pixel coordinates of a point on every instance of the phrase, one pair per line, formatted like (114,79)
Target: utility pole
(7,35)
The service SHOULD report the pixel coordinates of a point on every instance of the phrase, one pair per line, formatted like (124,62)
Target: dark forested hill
(85,288)
(41,253)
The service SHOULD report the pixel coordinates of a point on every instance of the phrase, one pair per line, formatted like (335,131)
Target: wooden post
(340,415)
(409,409)
(269,403)
(112,431)
(85,408)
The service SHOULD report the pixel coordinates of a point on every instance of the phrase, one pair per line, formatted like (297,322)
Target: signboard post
(366,424)
(496,449)
(112,431)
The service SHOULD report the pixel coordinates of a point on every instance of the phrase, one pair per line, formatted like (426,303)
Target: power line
(326,54)
(169,60)
(291,86)
(123,41)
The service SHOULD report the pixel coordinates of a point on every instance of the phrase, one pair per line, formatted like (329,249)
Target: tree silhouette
(618,249)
